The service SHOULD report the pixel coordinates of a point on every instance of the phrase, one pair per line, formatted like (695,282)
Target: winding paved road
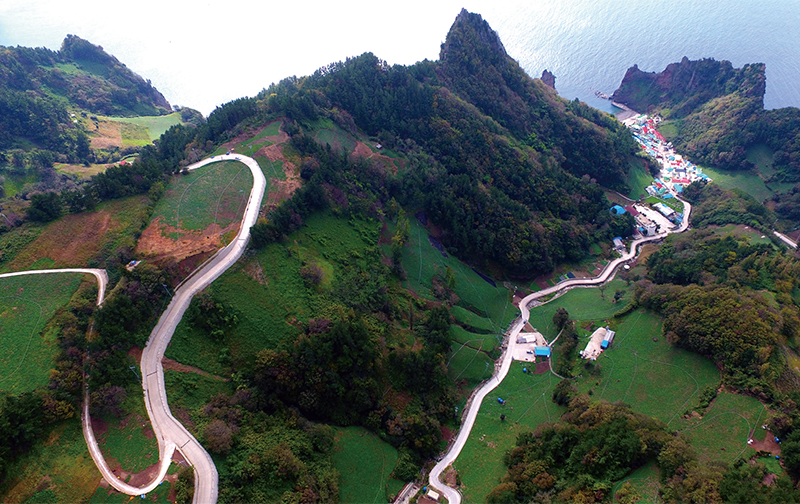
(100,274)
(454,496)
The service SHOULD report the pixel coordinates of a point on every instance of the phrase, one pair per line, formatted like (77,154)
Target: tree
(45,207)
(560,318)
(218,436)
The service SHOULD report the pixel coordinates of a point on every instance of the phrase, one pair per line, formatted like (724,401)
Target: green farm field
(638,179)
(722,433)
(214,194)
(269,294)
(62,462)
(365,464)
(528,403)
(145,128)
(26,305)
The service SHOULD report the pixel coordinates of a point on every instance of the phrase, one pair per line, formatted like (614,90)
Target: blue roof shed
(541,351)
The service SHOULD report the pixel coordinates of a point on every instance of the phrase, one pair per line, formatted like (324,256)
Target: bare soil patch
(767,445)
(281,190)
(142,478)
(363,151)
(157,243)
(104,134)
(72,241)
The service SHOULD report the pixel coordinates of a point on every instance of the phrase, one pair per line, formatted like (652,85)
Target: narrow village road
(468,420)
(100,274)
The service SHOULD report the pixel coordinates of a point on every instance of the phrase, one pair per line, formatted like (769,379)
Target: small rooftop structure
(631,210)
(541,351)
(618,243)
(432,495)
(664,210)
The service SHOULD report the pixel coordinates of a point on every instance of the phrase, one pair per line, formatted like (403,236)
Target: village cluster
(676,173)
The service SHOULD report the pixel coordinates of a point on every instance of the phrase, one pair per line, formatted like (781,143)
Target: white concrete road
(468,420)
(100,274)
(168,430)
(788,241)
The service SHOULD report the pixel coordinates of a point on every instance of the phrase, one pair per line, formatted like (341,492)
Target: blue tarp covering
(542,351)
(616,209)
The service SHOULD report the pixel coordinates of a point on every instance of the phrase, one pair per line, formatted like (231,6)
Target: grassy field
(638,179)
(145,128)
(654,377)
(59,467)
(422,261)
(216,193)
(748,182)
(528,403)
(269,293)
(465,363)
(26,305)
(485,342)
(645,481)
(670,202)
(78,240)
(583,304)
(740,230)
(365,464)
(722,433)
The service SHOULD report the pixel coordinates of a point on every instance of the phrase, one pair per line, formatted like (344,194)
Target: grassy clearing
(740,230)
(465,363)
(654,377)
(528,403)
(722,433)
(84,239)
(60,465)
(270,295)
(14,183)
(485,342)
(670,202)
(216,193)
(638,178)
(645,481)
(365,464)
(422,261)
(748,182)
(188,392)
(583,304)
(159,495)
(83,172)
(26,305)
(152,127)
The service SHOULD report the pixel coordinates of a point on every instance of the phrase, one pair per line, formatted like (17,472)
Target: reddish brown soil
(447,433)
(363,151)
(99,427)
(144,477)
(542,367)
(70,242)
(451,478)
(156,242)
(280,189)
(767,445)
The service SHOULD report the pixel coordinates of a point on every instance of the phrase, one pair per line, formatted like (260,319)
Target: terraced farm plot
(365,464)
(465,363)
(583,304)
(214,194)
(27,303)
(146,128)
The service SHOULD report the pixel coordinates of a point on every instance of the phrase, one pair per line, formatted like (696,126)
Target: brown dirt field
(281,190)
(144,477)
(451,478)
(156,243)
(768,444)
(542,367)
(105,134)
(71,241)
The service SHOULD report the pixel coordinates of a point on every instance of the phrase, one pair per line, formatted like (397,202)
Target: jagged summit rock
(548,78)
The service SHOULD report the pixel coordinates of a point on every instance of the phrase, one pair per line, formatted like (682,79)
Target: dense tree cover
(514,187)
(578,458)
(719,112)
(712,292)
(714,205)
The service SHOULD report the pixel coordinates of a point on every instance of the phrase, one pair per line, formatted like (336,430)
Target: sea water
(589,45)
(206,53)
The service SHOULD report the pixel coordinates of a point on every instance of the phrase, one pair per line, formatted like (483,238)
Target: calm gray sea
(589,45)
